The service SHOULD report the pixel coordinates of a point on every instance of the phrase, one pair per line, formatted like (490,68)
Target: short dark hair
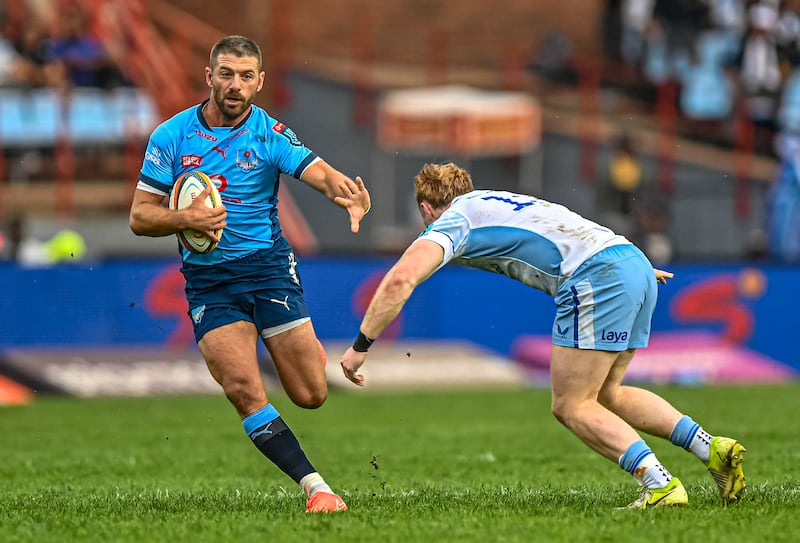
(236,45)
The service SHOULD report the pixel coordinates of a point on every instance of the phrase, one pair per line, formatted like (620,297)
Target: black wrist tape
(362,343)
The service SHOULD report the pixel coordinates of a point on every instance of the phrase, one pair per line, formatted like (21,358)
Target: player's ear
(427,211)
(261,77)
(208,76)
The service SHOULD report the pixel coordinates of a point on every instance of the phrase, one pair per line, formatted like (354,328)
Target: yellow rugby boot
(725,465)
(671,495)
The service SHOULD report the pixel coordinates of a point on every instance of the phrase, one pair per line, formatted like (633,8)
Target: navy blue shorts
(263,288)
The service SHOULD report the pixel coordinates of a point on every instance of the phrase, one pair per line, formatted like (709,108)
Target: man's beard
(228,112)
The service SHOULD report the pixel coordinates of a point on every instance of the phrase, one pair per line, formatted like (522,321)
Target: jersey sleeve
(157,174)
(287,151)
(451,231)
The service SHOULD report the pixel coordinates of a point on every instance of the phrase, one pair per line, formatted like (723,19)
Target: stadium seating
(29,118)
(39,118)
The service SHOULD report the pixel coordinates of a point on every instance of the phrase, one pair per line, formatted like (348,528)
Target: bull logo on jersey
(286,132)
(246,159)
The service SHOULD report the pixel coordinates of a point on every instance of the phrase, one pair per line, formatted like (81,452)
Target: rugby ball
(186,189)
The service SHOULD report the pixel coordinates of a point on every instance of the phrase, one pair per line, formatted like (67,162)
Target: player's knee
(566,410)
(309,398)
(561,411)
(243,395)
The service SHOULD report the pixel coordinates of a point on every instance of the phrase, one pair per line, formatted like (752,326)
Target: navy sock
(276,441)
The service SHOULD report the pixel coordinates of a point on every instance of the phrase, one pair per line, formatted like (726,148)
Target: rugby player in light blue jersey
(605,292)
(249,286)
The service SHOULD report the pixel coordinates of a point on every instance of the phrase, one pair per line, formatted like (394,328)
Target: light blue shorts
(608,302)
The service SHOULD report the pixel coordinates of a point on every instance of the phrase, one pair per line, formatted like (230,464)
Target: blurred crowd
(725,72)
(56,45)
(730,59)
(735,68)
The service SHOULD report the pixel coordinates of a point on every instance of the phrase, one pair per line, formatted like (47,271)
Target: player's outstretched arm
(340,189)
(662,276)
(418,263)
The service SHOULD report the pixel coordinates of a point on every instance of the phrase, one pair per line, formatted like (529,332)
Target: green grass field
(428,467)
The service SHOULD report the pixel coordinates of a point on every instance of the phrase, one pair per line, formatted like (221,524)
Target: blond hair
(438,184)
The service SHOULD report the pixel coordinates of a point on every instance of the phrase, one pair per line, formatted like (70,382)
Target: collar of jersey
(202,120)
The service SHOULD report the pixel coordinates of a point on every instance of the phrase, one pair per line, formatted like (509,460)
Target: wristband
(362,343)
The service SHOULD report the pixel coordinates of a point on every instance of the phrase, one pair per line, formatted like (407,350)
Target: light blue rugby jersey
(528,239)
(245,163)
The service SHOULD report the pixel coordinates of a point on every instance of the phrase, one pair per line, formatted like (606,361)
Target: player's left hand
(662,276)
(356,201)
(351,362)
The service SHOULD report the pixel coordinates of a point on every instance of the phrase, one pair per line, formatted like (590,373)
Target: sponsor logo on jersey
(153,155)
(219,181)
(241,132)
(613,337)
(561,332)
(203,135)
(246,159)
(286,132)
(191,161)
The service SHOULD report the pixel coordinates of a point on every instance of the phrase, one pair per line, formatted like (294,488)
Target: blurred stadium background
(673,121)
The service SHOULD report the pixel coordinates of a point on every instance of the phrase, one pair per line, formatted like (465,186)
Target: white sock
(651,474)
(701,445)
(312,483)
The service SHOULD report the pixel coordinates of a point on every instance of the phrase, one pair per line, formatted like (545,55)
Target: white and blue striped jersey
(528,239)
(244,162)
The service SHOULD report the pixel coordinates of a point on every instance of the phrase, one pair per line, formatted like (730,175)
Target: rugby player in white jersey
(605,292)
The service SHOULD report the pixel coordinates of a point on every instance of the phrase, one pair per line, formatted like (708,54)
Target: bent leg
(298,358)
(230,353)
(649,412)
(297,355)
(577,376)
(644,410)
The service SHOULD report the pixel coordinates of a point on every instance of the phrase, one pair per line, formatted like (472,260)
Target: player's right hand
(351,362)
(202,218)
